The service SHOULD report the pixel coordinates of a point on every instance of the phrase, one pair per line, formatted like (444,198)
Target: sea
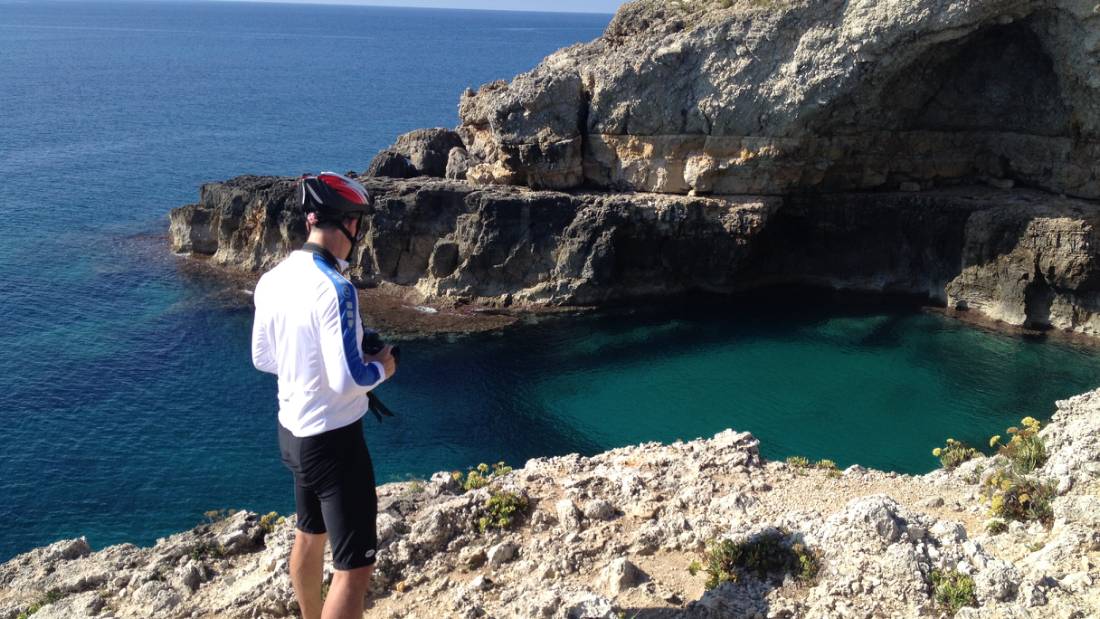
(128,403)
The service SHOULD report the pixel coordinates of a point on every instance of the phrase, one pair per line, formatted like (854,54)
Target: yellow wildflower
(1024,499)
(936,452)
(994,440)
(997,504)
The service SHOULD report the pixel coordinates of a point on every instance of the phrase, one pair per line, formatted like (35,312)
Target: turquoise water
(128,404)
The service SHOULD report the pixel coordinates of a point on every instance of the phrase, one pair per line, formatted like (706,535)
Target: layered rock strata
(774,97)
(1022,257)
(728,145)
(614,535)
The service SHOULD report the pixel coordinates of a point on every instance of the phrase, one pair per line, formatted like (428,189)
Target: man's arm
(338,322)
(263,347)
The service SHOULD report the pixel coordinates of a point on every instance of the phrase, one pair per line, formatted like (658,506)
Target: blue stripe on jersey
(364,374)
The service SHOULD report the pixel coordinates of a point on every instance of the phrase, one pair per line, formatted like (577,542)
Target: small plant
(416,487)
(206,550)
(51,596)
(481,476)
(798,462)
(996,526)
(767,553)
(1015,497)
(269,521)
(503,508)
(954,453)
(217,515)
(1025,450)
(694,568)
(952,590)
(830,467)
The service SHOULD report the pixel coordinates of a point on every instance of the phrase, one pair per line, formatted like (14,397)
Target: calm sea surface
(128,404)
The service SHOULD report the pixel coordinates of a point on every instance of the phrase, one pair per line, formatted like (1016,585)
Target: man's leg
(345,596)
(306,571)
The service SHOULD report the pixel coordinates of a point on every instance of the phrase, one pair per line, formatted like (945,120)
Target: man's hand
(385,357)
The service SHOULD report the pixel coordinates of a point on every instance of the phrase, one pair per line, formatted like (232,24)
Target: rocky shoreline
(616,534)
(944,150)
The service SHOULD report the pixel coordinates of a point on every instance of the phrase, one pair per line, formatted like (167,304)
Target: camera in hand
(372,345)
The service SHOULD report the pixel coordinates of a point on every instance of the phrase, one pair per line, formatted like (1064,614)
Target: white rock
(501,553)
(618,576)
(569,516)
(599,510)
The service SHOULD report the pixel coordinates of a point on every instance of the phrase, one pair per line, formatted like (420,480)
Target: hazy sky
(580,6)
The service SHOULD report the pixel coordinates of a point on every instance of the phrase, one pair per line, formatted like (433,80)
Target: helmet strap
(351,239)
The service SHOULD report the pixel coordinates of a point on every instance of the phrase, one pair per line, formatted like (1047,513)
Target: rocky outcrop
(614,535)
(728,146)
(774,97)
(500,245)
(423,152)
(1023,257)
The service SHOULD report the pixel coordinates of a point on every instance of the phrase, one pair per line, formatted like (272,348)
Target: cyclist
(308,331)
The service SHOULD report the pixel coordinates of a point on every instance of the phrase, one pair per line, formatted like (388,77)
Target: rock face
(497,244)
(774,97)
(726,146)
(648,512)
(423,152)
(1020,256)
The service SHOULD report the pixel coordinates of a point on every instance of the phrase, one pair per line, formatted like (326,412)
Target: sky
(578,6)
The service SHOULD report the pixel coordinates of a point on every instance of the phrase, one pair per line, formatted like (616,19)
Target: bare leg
(345,596)
(306,571)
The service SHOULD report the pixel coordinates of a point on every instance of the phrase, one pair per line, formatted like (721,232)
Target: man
(308,332)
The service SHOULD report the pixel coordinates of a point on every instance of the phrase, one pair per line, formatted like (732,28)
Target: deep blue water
(128,404)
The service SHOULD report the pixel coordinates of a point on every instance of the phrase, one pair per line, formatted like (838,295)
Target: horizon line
(436,5)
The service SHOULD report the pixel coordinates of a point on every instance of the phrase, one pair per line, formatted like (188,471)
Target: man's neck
(333,245)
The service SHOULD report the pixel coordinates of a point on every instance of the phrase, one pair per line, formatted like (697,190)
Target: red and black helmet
(333,197)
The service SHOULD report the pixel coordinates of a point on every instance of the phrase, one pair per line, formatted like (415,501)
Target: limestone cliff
(614,535)
(1023,257)
(943,149)
(775,96)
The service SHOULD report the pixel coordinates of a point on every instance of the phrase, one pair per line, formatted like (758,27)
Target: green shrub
(206,550)
(996,526)
(481,476)
(954,453)
(767,553)
(269,521)
(1025,450)
(1014,497)
(798,462)
(49,597)
(830,467)
(952,590)
(503,510)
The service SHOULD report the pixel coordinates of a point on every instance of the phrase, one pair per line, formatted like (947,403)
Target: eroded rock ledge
(613,535)
(1023,257)
(728,145)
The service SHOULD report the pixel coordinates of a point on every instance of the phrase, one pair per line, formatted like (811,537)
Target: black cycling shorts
(334,491)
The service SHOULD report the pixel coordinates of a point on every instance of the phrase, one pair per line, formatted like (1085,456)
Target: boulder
(392,164)
(427,152)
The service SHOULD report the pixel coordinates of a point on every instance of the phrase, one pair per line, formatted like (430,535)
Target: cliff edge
(616,535)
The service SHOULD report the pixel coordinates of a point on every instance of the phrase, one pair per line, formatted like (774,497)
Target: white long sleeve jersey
(308,332)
